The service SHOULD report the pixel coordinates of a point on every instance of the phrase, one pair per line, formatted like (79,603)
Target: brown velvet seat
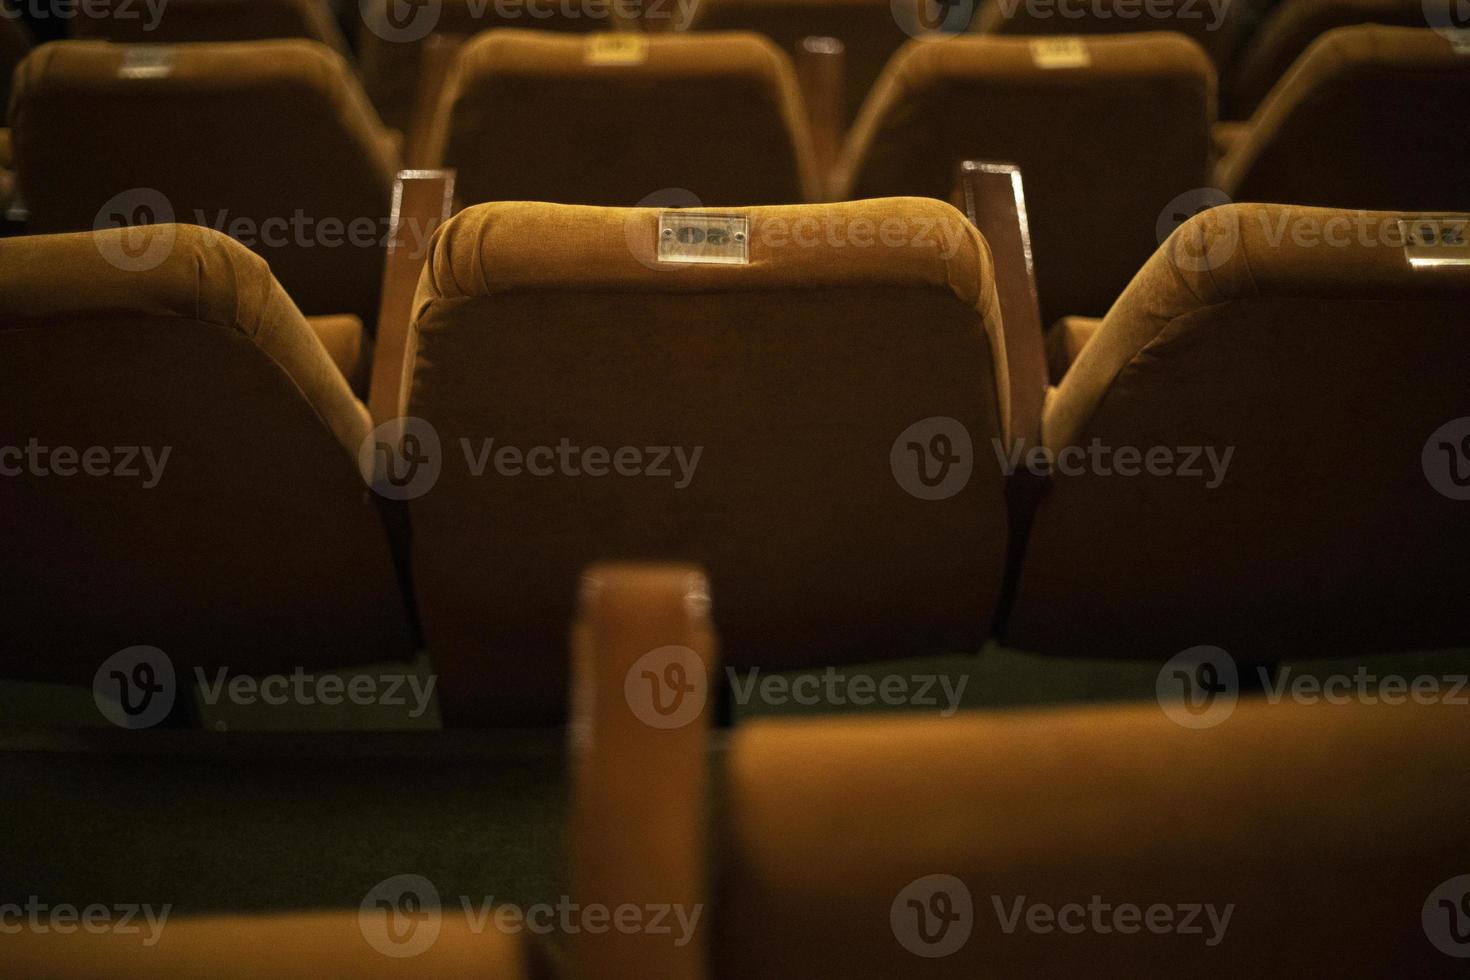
(391,46)
(1103,147)
(925,848)
(254,544)
(180,21)
(868,29)
(1217,26)
(276,135)
(300,946)
(1303,343)
(1361,121)
(531,117)
(799,379)
(1291,28)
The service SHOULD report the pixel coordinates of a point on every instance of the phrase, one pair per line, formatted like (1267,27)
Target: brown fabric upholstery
(302,946)
(1217,27)
(1291,28)
(794,376)
(1323,365)
(348,345)
(15,43)
(526,117)
(1326,827)
(266,131)
(1065,341)
(1227,136)
(1378,97)
(1102,149)
(181,21)
(868,30)
(257,546)
(391,50)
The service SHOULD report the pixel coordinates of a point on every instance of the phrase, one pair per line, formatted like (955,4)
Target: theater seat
(254,543)
(531,117)
(869,30)
(272,141)
(1217,26)
(179,21)
(803,390)
(1106,131)
(1290,29)
(1320,832)
(390,46)
(1306,346)
(301,946)
(1360,122)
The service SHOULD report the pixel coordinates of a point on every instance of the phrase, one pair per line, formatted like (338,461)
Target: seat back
(179,465)
(1217,26)
(1290,29)
(767,420)
(1103,841)
(1105,139)
(527,117)
(1378,97)
(390,45)
(179,21)
(1290,386)
(868,29)
(272,141)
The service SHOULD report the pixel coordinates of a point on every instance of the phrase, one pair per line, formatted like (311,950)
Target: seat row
(1029,844)
(1256,448)
(1114,146)
(1252,44)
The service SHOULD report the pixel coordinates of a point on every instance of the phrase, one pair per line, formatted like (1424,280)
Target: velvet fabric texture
(183,21)
(254,544)
(1216,28)
(1102,148)
(275,135)
(793,378)
(1387,101)
(1281,812)
(1292,27)
(1302,342)
(527,117)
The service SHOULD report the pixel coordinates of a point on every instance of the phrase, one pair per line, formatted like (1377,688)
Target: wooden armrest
(643,666)
(435,60)
(821,67)
(991,196)
(422,201)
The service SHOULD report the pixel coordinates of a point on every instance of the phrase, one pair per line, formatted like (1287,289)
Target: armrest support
(821,67)
(643,666)
(349,347)
(991,196)
(1065,341)
(436,59)
(422,201)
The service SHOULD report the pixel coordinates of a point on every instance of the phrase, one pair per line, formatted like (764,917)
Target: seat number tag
(147,61)
(1436,240)
(616,48)
(695,237)
(1060,52)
